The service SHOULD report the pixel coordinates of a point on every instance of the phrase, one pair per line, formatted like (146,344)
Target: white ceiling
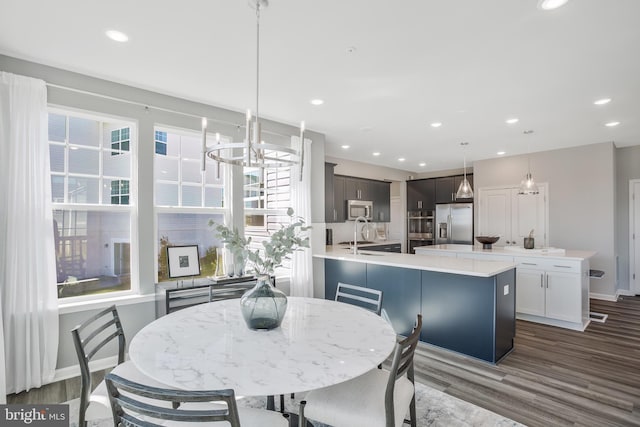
(466,63)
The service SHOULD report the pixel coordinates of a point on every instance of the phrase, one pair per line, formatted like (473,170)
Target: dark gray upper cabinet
(357,189)
(381,197)
(339,199)
(329,205)
(421,195)
(339,189)
(456,184)
(445,193)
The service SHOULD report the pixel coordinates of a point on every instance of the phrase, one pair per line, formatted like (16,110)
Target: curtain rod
(149,106)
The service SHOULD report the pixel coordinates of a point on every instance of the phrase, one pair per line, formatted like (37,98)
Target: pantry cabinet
(503,212)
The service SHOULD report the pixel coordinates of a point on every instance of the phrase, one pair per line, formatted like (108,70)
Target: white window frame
(225,211)
(133,196)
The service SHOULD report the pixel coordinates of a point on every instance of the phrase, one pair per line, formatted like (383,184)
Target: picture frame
(183,261)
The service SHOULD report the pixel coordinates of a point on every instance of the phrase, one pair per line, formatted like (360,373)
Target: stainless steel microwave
(356,208)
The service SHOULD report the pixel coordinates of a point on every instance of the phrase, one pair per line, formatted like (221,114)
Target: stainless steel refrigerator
(454,223)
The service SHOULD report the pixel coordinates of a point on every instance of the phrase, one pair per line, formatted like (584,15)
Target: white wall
(581,199)
(627,168)
(365,170)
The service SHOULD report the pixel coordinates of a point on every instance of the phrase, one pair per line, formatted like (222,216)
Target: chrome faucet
(355,233)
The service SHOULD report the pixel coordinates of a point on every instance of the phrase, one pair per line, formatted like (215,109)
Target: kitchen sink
(369,253)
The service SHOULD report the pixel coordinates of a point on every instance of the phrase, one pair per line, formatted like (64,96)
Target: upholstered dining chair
(379,398)
(137,404)
(371,299)
(88,338)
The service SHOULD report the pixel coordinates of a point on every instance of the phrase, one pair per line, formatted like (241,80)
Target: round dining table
(209,346)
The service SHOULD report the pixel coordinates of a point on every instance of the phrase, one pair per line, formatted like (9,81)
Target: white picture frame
(183,261)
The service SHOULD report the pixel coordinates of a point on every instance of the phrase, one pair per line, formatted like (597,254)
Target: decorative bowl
(487,241)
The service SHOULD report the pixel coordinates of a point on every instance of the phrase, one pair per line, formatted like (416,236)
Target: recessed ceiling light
(512,121)
(501,153)
(612,124)
(117,36)
(602,101)
(551,4)
(436,124)
(317,102)
(376,153)
(401,159)
(351,50)
(422,164)
(346,147)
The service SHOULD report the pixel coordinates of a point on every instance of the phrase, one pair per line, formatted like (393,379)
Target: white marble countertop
(514,252)
(467,267)
(209,346)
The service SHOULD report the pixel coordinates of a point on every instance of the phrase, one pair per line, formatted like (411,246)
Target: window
(120,192)
(161,142)
(186,199)
(119,141)
(267,196)
(91,202)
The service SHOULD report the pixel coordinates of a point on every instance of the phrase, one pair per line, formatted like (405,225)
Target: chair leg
(412,411)
(282,403)
(302,421)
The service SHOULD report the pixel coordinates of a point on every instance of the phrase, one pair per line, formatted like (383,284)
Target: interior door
(634,236)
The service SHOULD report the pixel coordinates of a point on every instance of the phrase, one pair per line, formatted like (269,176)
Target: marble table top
(209,346)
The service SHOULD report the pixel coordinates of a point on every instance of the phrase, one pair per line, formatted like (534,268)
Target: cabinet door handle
(562,266)
(528,263)
(335,215)
(547,277)
(541,285)
(420,204)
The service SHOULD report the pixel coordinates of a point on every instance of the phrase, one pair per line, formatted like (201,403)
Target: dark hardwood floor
(554,376)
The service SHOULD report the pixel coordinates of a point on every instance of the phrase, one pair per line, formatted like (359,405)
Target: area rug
(433,408)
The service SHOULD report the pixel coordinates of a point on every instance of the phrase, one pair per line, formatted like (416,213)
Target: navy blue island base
(471,315)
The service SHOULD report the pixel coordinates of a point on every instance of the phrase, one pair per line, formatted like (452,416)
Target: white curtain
(3,381)
(27,254)
(302,261)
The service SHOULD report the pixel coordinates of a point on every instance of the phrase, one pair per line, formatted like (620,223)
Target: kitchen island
(552,285)
(467,306)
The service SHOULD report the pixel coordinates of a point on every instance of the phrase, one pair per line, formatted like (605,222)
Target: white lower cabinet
(530,292)
(552,289)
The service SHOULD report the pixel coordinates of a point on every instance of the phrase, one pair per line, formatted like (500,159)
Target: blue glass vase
(263,306)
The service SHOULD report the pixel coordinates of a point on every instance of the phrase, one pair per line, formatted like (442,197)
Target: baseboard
(604,297)
(625,293)
(74,371)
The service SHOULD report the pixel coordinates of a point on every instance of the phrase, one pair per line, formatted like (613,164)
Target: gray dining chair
(140,405)
(88,338)
(379,398)
(371,299)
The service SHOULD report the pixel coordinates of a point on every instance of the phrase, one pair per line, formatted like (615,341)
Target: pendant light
(464,190)
(527,185)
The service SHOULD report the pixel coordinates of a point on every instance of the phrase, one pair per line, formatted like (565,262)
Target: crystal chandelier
(253,151)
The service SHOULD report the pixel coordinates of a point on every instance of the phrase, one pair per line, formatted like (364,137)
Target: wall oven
(356,208)
(420,229)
